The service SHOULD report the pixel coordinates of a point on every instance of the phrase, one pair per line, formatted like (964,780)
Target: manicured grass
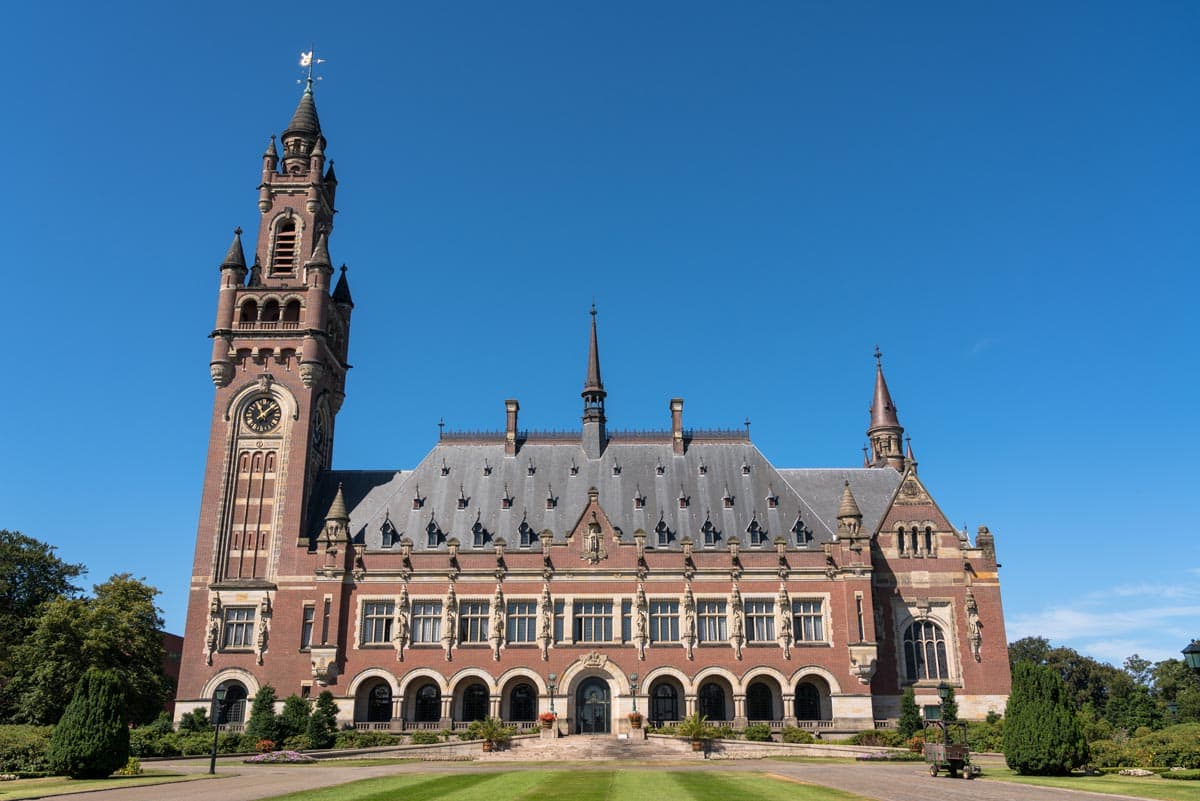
(57,785)
(1141,787)
(584,785)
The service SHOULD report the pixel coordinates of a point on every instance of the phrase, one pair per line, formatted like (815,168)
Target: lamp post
(218,710)
(633,689)
(943,691)
(1191,655)
(552,677)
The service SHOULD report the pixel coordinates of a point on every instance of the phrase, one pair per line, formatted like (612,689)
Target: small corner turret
(885,432)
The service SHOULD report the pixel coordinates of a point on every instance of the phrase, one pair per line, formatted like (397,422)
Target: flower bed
(277,757)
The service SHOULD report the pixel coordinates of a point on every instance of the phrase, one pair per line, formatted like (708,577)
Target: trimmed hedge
(796,735)
(757,733)
(1172,747)
(23,749)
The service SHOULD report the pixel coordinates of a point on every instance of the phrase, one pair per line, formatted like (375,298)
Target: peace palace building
(515,572)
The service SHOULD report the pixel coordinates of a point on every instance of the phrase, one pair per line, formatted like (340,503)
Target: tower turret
(594,435)
(885,433)
(233,275)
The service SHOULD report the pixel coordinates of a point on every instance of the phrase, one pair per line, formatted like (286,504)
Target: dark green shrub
(796,735)
(23,749)
(293,720)
(299,742)
(145,742)
(376,739)
(757,733)
(425,738)
(986,735)
(910,716)
(91,740)
(1042,734)
(886,738)
(322,723)
(724,732)
(263,723)
(195,721)
(1182,775)
(950,707)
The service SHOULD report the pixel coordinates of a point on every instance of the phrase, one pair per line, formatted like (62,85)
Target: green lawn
(589,785)
(57,785)
(1147,787)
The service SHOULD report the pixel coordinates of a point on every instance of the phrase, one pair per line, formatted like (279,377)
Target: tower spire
(885,432)
(594,436)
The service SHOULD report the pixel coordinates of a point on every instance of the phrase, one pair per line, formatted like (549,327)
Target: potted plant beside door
(635,720)
(695,727)
(547,719)
(492,731)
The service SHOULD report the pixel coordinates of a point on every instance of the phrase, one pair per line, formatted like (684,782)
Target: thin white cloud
(1154,632)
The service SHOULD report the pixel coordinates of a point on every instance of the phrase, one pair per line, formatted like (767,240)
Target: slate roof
(460,484)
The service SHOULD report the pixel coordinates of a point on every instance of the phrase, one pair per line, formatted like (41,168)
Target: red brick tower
(279,366)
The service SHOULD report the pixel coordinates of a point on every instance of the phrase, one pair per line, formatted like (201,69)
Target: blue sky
(1003,196)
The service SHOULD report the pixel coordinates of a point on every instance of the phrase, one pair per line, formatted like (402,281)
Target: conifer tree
(293,720)
(322,723)
(1042,733)
(91,739)
(263,723)
(910,716)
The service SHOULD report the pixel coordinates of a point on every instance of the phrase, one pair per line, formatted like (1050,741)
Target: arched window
(712,701)
(233,709)
(248,313)
(284,257)
(758,702)
(475,702)
(428,707)
(664,703)
(925,651)
(291,312)
(379,703)
(270,312)
(929,540)
(808,702)
(900,539)
(522,703)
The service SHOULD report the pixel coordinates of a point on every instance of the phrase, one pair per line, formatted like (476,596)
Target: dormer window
(445,468)
(479,534)
(616,469)
(487,468)
(551,501)
(745,468)
(683,501)
(801,532)
(659,469)
(433,534)
(574,471)
(387,533)
(709,533)
(525,535)
(662,533)
(529,471)
(418,501)
(758,535)
(639,501)
(772,501)
(703,468)
(727,500)
(462,497)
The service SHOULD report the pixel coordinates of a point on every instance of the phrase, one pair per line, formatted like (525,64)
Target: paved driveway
(908,781)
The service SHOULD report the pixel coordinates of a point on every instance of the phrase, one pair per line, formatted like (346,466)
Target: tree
(119,629)
(1176,684)
(950,707)
(910,716)
(30,575)
(1028,649)
(263,723)
(322,723)
(92,739)
(195,721)
(1042,734)
(293,720)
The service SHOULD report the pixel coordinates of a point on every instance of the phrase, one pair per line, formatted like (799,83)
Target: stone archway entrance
(593,705)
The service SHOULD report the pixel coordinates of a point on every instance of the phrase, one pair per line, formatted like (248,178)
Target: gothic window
(913,539)
(525,534)
(426,622)
(760,621)
(308,616)
(712,701)
(900,540)
(664,621)
(521,621)
(479,534)
(808,621)
(801,532)
(522,703)
(709,533)
(428,708)
(475,702)
(758,535)
(433,534)
(593,621)
(928,540)
(377,622)
(711,623)
(473,621)
(283,260)
(758,702)
(925,651)
(239,626)
(663,533)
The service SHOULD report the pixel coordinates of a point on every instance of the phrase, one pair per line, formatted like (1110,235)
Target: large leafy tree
(119,629)
(1042,733)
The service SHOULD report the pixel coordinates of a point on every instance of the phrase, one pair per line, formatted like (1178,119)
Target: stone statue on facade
(450,622)
(783,621)
(496,637)
(641,621)
(545,622)
(688,632)
(737,621)
(974,627)
(401,626)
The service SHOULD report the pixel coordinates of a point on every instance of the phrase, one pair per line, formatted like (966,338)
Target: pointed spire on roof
(866,459)
(319,147)
(330,178)
(883,411)
(337,509)
(320,254)
(235,256)
(271,152)
(848,506)
(593,383)
(909,457)
(341,292)
(305,120)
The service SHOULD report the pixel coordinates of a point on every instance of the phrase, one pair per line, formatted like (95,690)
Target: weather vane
(307,61)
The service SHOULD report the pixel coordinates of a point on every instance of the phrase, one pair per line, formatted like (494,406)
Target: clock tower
(279,366)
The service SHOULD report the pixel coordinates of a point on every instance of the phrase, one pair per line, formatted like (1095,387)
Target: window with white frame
(473,621)
(760,621)
(664,621)
(808,620)
(559,616)
(925,651)
(308,617)
(593,621)
(711,623)
(426,621)
(522,621)
(377,622)
(239,626)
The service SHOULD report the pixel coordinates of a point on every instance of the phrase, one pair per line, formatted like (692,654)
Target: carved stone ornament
(688,634)
(974,627)
(737,621)
(221,373)
(213,635)
(401,626)
(641,622)
(311,373)
(265,381)
(496,635)
(783,620)
(863,658)
(545,622)
(595,659)
(449,622)
(324,663)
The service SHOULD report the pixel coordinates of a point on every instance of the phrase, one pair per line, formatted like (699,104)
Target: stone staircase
(593,748)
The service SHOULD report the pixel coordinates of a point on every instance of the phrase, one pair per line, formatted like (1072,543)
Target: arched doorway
(592,703)
(233,709)
(711,699)
(759,704)
(427,707)
(379,703)
(475,703)
(808,702)
(522,703)
(664,703)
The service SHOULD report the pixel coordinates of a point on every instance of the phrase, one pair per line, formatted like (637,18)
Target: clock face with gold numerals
(262,415)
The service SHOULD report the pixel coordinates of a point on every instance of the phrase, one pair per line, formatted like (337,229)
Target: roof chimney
(511,407)
(677,426)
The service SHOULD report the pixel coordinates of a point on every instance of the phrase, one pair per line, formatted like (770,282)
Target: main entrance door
(592,704)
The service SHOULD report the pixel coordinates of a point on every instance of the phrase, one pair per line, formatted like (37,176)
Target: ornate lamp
(633,689)
(1191,655)
(552,678)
